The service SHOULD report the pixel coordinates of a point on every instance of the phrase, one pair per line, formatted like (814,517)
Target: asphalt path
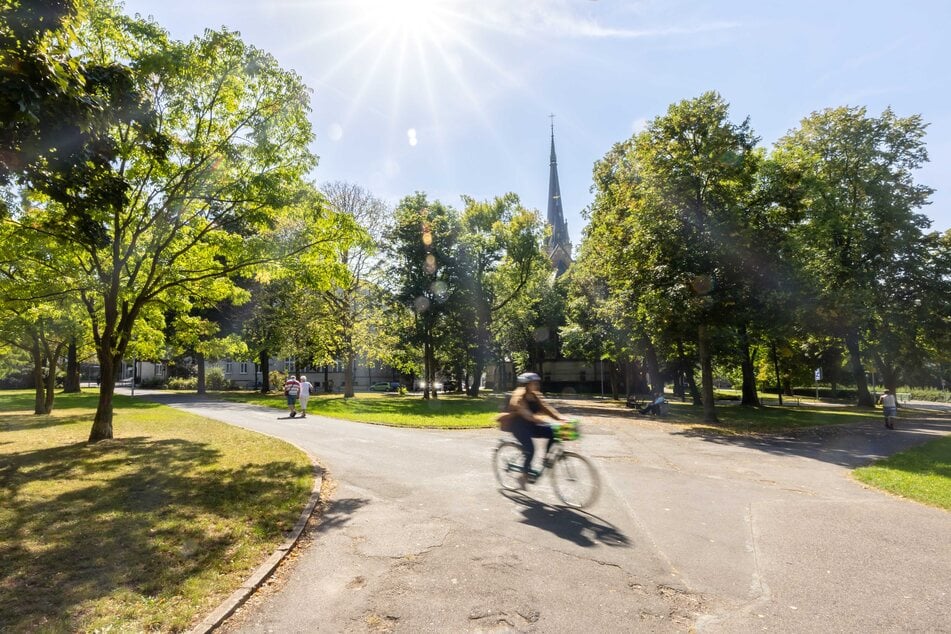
(691,532)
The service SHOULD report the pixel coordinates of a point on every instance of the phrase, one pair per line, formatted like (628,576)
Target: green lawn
(922,473)
(146,532)
(770,418)
(446,412)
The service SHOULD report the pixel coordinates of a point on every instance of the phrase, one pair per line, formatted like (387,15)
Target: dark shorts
(891,411)
(291,399)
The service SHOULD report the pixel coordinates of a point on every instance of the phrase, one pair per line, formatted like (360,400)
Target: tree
(351,298)
(674,200)
(422,247)
(197,210)
(860,201)
(499,257)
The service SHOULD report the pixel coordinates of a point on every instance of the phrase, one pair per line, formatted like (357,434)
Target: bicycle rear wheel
(507,463)
(575,480)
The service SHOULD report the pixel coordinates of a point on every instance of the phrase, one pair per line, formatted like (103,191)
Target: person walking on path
(305,388)
(890,405)
(292,391)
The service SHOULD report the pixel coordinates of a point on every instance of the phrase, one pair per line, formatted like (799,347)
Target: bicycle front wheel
(575,480)
(507,462)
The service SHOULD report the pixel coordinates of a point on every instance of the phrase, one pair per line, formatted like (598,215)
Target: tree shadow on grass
(851,445)
(579,527)
(139,516)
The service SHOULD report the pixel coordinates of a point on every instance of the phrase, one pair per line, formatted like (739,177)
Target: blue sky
(452,97)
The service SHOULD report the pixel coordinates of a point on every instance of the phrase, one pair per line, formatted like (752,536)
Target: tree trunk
(750,397)
(687,368)
(71,382)
(614,379)
(265,361)
(706,375)
(427,384)
(858,372)
(779,383)
(327,379)
(653,367)
(102,423)
(39,384)
(348,373)
(202,388)
(51,379)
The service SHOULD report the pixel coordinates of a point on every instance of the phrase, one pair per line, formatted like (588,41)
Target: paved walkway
(691,532)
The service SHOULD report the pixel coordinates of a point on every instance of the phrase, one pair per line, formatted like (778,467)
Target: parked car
(385,386)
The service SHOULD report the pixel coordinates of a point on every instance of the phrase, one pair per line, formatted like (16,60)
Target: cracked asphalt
(690,533)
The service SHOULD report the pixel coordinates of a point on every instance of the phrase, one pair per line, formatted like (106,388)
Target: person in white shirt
(305,388)
(890,405)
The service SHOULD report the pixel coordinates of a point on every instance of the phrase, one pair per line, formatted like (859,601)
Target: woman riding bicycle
(527,403)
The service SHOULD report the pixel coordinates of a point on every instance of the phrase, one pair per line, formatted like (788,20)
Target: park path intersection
(691,533)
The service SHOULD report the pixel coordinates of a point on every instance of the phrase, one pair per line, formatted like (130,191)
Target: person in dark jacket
(529,408)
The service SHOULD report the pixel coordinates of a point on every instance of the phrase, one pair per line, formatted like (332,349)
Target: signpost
(818,378)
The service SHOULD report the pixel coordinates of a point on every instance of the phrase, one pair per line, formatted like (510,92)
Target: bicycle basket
(569,430)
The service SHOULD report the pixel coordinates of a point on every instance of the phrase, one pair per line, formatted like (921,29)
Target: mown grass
(922,473)
(146,532)
(449,411)
(735,419)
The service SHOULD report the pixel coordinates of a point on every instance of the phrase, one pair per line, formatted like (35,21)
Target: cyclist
(527,403)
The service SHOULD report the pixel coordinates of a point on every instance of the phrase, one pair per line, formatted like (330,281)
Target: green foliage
(215,379)
(189,383)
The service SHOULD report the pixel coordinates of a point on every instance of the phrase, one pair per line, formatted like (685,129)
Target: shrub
(276,379)
(153,383)
(215,379)
(183,383)
(928,394)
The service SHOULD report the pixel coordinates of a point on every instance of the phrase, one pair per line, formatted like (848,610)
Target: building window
(227,367)
(244,368)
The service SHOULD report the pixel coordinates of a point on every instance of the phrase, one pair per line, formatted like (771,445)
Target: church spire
(559,244)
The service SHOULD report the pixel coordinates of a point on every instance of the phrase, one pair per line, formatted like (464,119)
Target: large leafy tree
(195,209)
(499,258)
(861,224)
(422,248)
(676,199)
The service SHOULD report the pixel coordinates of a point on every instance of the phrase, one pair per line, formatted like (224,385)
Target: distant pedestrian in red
(292,391)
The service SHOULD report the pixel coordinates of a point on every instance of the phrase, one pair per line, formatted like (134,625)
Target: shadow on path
(583,529)
(846,445)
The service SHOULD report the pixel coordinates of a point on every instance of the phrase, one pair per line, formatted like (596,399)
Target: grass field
(447,412)
(736,419)
(922,473)
(146,532)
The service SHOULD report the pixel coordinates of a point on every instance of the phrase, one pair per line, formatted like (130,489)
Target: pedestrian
(292,391)
(305,389)
(890,405)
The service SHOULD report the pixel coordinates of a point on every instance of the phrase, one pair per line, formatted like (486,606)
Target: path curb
(227,607)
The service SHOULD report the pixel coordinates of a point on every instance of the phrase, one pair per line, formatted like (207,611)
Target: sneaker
(303,414)
(533,475)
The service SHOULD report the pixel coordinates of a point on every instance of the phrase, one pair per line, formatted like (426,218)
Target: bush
(215,379)
(827,392)
(153,383)
(276,379)
(927,394)
(183,383)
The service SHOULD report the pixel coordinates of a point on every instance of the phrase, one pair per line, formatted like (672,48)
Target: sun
(414,19)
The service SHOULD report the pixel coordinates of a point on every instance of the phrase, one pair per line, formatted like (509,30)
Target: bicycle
(574,477)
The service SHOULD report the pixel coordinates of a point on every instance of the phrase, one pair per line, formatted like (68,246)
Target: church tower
(558,244)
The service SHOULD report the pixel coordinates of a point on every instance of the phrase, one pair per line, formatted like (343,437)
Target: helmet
(528,377)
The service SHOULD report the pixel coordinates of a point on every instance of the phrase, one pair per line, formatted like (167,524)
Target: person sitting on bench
(654,407)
